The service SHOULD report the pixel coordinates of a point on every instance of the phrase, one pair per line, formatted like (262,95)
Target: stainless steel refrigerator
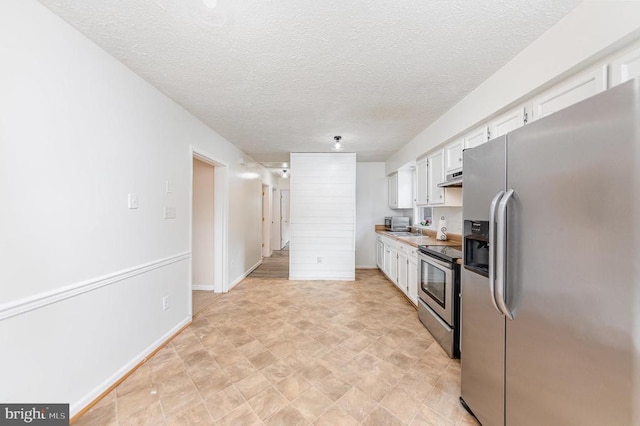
(551,276)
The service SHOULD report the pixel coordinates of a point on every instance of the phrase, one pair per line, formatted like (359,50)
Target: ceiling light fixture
(337,145)
(285,175)
(211,4)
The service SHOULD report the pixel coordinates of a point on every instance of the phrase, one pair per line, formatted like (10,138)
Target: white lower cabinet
(393,265)
(399,262)
(403,263)
(380,253)
(390,260)
(412,278)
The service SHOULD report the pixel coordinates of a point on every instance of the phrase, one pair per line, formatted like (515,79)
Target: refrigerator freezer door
(482,348)
(572,237)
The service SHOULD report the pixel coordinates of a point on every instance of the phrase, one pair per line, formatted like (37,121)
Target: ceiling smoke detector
(337,145)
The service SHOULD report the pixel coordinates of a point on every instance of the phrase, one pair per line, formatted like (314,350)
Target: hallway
(276,266)
(281,352)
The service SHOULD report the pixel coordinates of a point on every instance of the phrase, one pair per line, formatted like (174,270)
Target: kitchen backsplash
(453,216)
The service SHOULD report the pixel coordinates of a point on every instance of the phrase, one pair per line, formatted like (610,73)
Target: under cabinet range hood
(453,180)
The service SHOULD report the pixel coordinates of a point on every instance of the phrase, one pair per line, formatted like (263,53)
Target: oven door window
(434,283)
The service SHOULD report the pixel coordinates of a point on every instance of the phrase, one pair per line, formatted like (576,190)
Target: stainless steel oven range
(439,294)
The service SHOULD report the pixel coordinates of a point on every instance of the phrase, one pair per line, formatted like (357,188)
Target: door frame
(220,219)
(275,218)
(266,220)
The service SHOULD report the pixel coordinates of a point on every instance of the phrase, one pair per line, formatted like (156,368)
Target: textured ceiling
(280,76)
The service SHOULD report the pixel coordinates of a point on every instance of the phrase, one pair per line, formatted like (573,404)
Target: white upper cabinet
(401,189)
(430,171)
(625,67)
(506,123)
(475,137)
(572,91)
(453,157)
(435,175)
(422,184)
(392,193)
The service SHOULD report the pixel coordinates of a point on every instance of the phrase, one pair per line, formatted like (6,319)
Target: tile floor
(201,299)
(279,352)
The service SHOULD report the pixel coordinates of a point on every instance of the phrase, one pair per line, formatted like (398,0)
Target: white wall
(82,275)
(322,216)
(591,31)
(202,224)
(371,208)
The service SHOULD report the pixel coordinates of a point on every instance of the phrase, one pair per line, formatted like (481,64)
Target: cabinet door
(380,254)
(393,190)
(570,92)
(435,175)
(421,183)
(404,189)
(453,157)
(626,67)
(506,123)
(402,271)
(393,264)
(387,260)
(412,278)
(475,137)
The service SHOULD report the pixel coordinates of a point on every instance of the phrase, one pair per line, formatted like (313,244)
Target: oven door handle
(501,254)
(492,250)
(433,261)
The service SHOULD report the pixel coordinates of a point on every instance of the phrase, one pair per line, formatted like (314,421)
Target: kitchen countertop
(419,240)
(415,241)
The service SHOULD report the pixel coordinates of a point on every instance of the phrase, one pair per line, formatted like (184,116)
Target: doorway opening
(276,264)
(208,231)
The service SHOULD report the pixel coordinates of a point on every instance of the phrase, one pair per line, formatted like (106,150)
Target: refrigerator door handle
(501,253)
(492,249)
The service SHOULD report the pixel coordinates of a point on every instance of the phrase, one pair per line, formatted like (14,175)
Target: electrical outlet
(133,201)
(319,259)
(165,303)
(169,212)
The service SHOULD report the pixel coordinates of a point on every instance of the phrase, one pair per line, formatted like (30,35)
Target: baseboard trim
(208,287)
(366,266)
(40,300)
(91,399)
(294,278)
(245,275)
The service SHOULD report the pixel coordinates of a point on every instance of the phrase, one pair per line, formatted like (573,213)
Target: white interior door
(275,219)
(266,222)
(284,218)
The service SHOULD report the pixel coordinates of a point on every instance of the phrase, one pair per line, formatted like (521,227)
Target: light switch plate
(165,303)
